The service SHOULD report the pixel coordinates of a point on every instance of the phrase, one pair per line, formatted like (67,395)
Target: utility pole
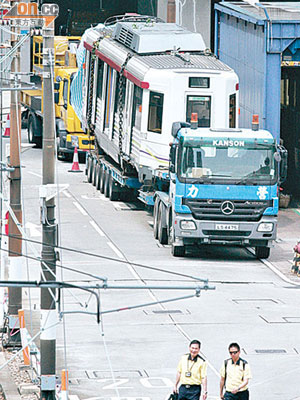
(48,306)
(15,238)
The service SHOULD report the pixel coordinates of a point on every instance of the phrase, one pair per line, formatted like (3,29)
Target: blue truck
(221,187)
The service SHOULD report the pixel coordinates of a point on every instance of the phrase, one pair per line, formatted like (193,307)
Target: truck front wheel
(155,215)
(161,229)
(178,251)
(262,252)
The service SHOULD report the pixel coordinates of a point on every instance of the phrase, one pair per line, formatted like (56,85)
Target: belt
(190,386)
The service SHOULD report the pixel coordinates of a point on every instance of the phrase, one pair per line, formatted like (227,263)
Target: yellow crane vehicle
(68,128)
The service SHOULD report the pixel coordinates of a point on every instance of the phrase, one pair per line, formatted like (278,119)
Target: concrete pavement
(280,262)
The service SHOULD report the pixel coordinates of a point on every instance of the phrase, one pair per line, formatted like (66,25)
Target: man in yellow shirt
(191,374)
(235,375)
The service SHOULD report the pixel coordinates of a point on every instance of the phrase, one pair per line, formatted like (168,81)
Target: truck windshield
(238,165)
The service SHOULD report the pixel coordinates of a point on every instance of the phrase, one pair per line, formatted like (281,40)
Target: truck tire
(98,168)
(106,183)
(155,215)
(34,129)
(262,252)
(113,190)
(94,176)
(90,170)
(178,251)
(161,229)
(59,154)
(87,160)
(102,179)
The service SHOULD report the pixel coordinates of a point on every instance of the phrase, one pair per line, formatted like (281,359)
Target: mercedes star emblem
(227,207)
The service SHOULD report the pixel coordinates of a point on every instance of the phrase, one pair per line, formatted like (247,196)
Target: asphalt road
(250,305)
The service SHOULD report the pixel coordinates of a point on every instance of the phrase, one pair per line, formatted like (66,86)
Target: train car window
(199,82)
(200,105)
(232,110)
(100,79)
(156,102)
(137,107)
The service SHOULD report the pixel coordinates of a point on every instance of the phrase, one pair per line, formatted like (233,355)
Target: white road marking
(121,206)
(78,206)
(99,197)
(113,247)
(73,397)
(275,270)
(66,194)
(97,229)
(35,174)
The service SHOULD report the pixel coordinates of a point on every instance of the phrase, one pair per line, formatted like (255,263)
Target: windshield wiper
(221,176)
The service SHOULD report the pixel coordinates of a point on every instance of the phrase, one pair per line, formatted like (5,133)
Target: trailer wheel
(113,189)
(102,179)
(106,183)
(155,215)
(262,252)
(90,170)
(34,129)
(98,168)
(87,160)
(94,176)
(162,230)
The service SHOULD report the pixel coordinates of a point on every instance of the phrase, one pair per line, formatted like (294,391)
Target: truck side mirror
(176,126)
(172,158)
(56,85)
(283,163)
(56,97)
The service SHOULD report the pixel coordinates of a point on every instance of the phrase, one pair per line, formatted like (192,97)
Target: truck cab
(223,188)
(69,132)
(68,127)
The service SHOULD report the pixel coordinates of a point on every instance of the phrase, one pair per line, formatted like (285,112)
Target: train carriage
(140,77)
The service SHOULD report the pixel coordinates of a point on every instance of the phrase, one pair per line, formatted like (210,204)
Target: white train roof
(115,53)
(158,37)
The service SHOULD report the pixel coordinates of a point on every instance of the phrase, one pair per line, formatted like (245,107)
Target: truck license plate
(227,227)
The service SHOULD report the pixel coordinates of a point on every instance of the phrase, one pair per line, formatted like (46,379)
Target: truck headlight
(265,227)
(75,141)
(188,225)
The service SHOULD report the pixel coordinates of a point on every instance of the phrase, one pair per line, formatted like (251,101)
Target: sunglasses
(233,352)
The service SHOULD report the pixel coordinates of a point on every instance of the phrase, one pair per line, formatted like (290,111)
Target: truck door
(64,108)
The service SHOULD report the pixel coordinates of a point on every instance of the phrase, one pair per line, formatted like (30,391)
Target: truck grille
(244,210)
(226,233)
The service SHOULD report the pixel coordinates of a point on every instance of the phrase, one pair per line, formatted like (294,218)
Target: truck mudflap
(253,234)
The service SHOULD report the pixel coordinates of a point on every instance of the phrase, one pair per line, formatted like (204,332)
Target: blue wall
(242,47)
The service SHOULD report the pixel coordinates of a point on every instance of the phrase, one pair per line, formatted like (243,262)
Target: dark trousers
(244,395)
(189,393)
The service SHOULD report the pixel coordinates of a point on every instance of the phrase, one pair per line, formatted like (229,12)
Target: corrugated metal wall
(242,47)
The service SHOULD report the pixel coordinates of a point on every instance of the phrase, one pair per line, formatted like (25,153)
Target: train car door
(128,117)
(109,102)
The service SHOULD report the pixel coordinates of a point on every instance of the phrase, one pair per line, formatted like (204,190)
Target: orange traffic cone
(75,165)
(7,127)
